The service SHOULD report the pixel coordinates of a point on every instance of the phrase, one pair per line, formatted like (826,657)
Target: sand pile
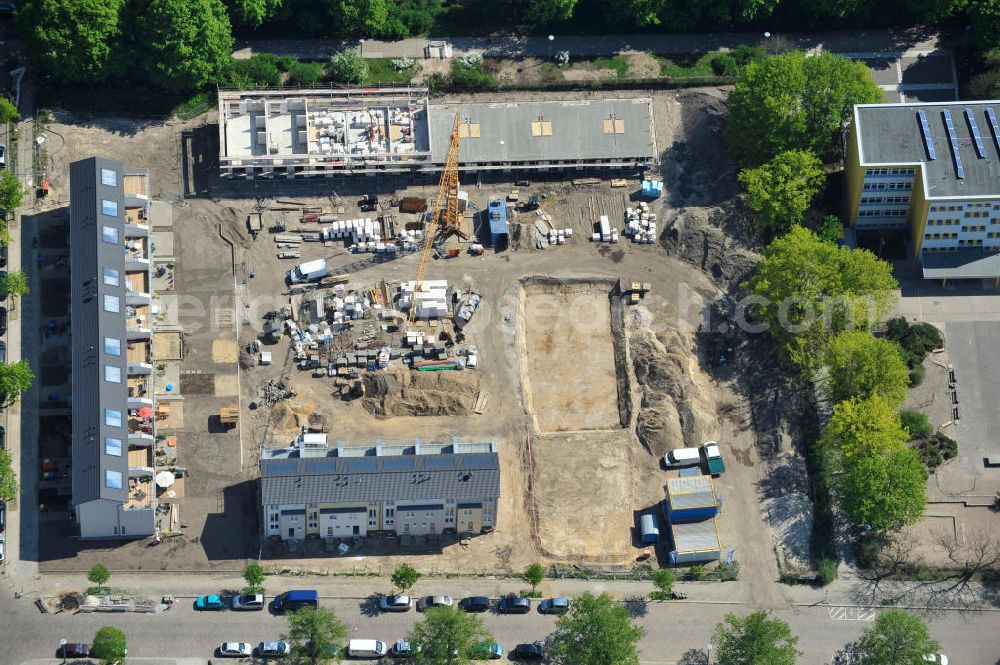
(402,392)
(290,415)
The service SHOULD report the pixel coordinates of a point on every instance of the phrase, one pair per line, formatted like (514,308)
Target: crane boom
(444,218)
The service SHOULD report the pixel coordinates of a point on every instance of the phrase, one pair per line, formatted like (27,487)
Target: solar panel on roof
(282,467)
(976,136)
(925,130)
(320,465)
(439,462)
(992,117)
(362,464)
(474,461)
(397,463)
(953,140)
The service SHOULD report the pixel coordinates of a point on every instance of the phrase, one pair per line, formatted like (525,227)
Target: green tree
(4,234)
(404,577)
(897,638)
(71,40)
(15,378)
(253,575)
(365,18)
(447,636)
(663,580)
(791,102)
(8,112)
(13,284)
(11,191)
(98,575)
(315,635)
(185,44)
(533,575)
(755,639)
(109,645)
(807,289)
(596,631)
(831,229)
(252,13)
(861,365)
(548,12)
(8,477)
(348,66)
(859,425)
(781,190)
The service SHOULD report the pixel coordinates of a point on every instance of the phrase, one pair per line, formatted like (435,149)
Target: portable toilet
(649,530)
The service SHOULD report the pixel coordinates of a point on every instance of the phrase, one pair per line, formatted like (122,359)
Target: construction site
(555,318)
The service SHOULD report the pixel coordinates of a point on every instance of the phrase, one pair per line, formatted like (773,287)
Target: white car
(682,457)
(235,650)
(936,658)
(3,553)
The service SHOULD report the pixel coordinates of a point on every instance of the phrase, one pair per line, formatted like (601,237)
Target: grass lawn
(692,64)
(381,70)
(619,63)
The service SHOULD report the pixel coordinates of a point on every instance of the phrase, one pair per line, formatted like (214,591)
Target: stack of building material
(605,232)
(640,224)
(431,300)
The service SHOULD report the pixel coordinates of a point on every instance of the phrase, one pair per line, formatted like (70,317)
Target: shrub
(917,373)
(470,76)
(730,64)
(935,449)
(916,423)
(260,71)
(869,548)
(917,339)
(286,62)
(348,67)
(697,572)
(826,571)
(831,229)
(305,73)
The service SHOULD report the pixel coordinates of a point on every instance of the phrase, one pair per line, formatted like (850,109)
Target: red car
(74,650)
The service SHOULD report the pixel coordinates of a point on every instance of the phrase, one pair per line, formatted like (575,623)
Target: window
(112,418)
(390,512)
(109,178)
(112,374)
(109,208)
(112,446)
(111,304)
(113,479)
(112,346)
(111,276)
(109,234)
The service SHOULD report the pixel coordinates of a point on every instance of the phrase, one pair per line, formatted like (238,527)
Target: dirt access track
(568,370)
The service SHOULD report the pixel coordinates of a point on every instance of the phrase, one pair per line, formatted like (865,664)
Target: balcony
(141,493)
(140,357)
(136,187)
(140,461)
(140,391)
(136,222)
(137,288)
(140,427)
(137,254)
(138,324)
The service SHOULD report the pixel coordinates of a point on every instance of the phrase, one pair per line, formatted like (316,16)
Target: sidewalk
(842,41)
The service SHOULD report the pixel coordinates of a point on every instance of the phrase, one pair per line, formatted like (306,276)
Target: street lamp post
(361,47)
(709,649)
(62,647)
(551,39)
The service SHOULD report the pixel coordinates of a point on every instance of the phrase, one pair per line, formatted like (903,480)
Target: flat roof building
(337,131)
(932,171)
(349,490)
(113,406)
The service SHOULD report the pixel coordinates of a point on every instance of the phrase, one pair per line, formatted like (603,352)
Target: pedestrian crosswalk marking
(853,613)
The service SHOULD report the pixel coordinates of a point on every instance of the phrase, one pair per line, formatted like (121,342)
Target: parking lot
(913,76)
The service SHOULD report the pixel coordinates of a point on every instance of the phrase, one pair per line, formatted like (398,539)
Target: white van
(682,457)
(366,649)
(309,271)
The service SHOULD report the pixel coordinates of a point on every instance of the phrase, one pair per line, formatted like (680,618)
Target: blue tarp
(652,189)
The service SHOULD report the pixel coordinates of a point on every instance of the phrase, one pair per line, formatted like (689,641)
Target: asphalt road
(182,635)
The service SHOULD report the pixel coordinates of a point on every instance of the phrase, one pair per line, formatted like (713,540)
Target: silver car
(433,601)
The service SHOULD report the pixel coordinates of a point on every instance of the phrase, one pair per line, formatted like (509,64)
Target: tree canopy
(405,576)
(897,638)
(794,102)
(807,290)
(8,477)
(348,66)
(533,574)
(15,378)
(755,639)
(253,575)
(11,191)
(13,284)
(447,636)
(8,112)
(595,631)
(861,365)
(98,574)
(109,645)
(252,13)
(315,634)
(781,190)
(72,40)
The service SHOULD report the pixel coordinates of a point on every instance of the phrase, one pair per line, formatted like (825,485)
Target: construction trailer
(690,499)
(695,542)
(496,212)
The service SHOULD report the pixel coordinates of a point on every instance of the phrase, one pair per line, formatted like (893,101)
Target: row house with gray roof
(312,489)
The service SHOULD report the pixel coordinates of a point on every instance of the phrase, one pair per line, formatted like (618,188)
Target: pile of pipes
(640,224)
(430,299)
(605,232)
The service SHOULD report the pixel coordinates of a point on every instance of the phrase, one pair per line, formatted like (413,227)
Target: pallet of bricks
(640,224)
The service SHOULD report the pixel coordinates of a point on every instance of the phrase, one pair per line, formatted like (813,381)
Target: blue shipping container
(496,212)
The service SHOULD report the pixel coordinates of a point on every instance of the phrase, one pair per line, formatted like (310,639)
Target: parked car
(713,458)
(291,601)
(74,650)
(3,352)
(3,256)
(403,649)
(514,605)
(3,156)
(274,649)
(533,651)
(3,515)
(366,649)
(475,604)
(248,601)
(209,603)
(682,457)
(554,606)
(3,553)
(433,601)
(234,650)
(487,651)
(936,658)
(3,320)
(3,437)
(397,602)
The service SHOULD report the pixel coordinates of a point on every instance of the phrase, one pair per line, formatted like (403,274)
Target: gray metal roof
(891,134)
(577,130)
(691,492)
(696,536)
(91,393)
(961,264)
(356,479)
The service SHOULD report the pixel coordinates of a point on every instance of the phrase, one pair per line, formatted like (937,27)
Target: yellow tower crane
(445,218)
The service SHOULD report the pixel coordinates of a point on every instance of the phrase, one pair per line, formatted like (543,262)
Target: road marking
(853,613)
